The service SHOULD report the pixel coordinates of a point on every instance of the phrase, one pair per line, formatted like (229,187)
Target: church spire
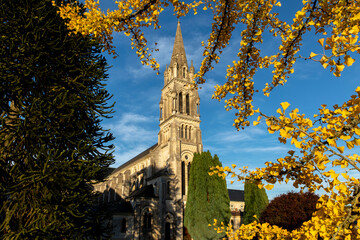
(178,54)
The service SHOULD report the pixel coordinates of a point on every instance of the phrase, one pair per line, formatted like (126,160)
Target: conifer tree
(208,198)
(52,99)
(256,201)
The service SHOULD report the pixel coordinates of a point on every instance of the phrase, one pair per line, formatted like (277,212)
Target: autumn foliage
(322,160)
(290,210)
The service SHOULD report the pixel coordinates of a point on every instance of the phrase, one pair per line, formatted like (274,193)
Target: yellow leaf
(339,67)
(325,65)
(285,105)
(357,131)
(269,187)
(349,61)
(313,55)
(233,165)
(331,142)
(345,175)
(341,149)
(296,143)
(278,4)
(255,123)
(349,145)
(321,41)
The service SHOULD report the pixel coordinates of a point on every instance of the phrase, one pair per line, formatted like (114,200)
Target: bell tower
(180,135)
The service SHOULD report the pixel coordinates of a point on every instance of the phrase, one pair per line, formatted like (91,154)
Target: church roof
(137,157)
(236,195)
(178,54)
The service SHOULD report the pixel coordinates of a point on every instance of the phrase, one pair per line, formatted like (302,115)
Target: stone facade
(148,193)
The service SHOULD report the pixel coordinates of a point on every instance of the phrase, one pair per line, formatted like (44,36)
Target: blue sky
(137,90)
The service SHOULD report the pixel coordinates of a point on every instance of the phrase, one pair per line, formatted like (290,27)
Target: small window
(112,194)
(189,166)
(147,220)
(123,225)
(168,189)
(183,178)
(187,104)
(180,103)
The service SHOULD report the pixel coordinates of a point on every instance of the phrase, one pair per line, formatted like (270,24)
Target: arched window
(187,104)
(168,189)
(133,187)
(141,184)
(106,195)
(112,194)
(182,131)
(184,72)
(169,227)
(189,132)
(186,130)
(188,166)
(147,220)
(176,68)
(180,103)
(167,231)
(183,178)
(123,225)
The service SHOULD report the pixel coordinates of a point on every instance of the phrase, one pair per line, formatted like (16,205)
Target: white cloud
(207,89)
(133,134)
(235,136)
(165,46)
(131,127)
(266,149)
(123,154)
(139,73)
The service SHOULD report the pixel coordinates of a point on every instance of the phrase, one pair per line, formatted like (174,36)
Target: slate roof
(236,195)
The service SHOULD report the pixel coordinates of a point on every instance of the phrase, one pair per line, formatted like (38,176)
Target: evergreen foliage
(52,99)
(208,198)
(291,210)
(256,201)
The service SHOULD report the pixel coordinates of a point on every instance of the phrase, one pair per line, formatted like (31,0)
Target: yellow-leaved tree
(322,141)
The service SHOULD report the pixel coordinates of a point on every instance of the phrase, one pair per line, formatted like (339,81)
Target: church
(148,193)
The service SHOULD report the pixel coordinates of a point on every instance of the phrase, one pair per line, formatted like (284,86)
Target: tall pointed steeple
(178,54)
